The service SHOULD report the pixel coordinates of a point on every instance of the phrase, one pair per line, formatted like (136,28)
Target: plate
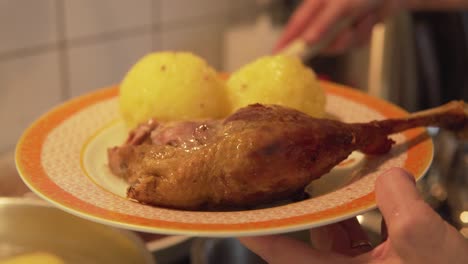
(62,158)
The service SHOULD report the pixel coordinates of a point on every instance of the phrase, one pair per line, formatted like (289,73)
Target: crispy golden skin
(260,154)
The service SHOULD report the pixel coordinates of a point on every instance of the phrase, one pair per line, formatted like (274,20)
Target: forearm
(437,4)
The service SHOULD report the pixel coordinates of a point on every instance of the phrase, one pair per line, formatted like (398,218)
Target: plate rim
(28,162)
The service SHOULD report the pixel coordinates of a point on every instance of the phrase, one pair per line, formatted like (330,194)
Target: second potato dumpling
(281,80)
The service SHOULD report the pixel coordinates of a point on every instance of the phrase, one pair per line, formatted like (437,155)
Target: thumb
(409,219)
(396,193)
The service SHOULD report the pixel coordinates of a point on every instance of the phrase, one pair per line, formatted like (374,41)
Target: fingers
(346,237)
(280,249)
(325,20)
(396,195)
(359,241)
(408,218)
(357,35)
(416,233)
(299,22)
(315,18)
(343,42)
(364,28)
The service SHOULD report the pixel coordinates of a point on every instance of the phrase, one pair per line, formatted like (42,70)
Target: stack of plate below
(31,230)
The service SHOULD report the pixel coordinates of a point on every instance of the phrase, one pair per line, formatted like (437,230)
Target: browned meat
(259,154)
(118,157)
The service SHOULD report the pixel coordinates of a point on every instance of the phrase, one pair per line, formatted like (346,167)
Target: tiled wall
(51,50)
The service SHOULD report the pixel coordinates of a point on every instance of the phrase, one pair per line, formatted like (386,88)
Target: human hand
(314,18)
(416,234)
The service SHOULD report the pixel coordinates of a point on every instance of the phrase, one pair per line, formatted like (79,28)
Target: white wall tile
(105,63)
(203,40)
(27,23)
(90,17)
(177,10)
(29,86)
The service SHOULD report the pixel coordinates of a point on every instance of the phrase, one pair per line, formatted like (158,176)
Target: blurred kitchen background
(53,50)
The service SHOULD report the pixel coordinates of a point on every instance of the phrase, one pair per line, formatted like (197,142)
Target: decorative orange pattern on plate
(61,158)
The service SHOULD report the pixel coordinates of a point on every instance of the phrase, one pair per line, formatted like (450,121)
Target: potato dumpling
(172,86)
(282,80)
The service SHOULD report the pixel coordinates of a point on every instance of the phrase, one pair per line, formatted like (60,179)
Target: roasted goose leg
(257,155)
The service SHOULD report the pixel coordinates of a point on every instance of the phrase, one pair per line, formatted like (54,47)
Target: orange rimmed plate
(62,158)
